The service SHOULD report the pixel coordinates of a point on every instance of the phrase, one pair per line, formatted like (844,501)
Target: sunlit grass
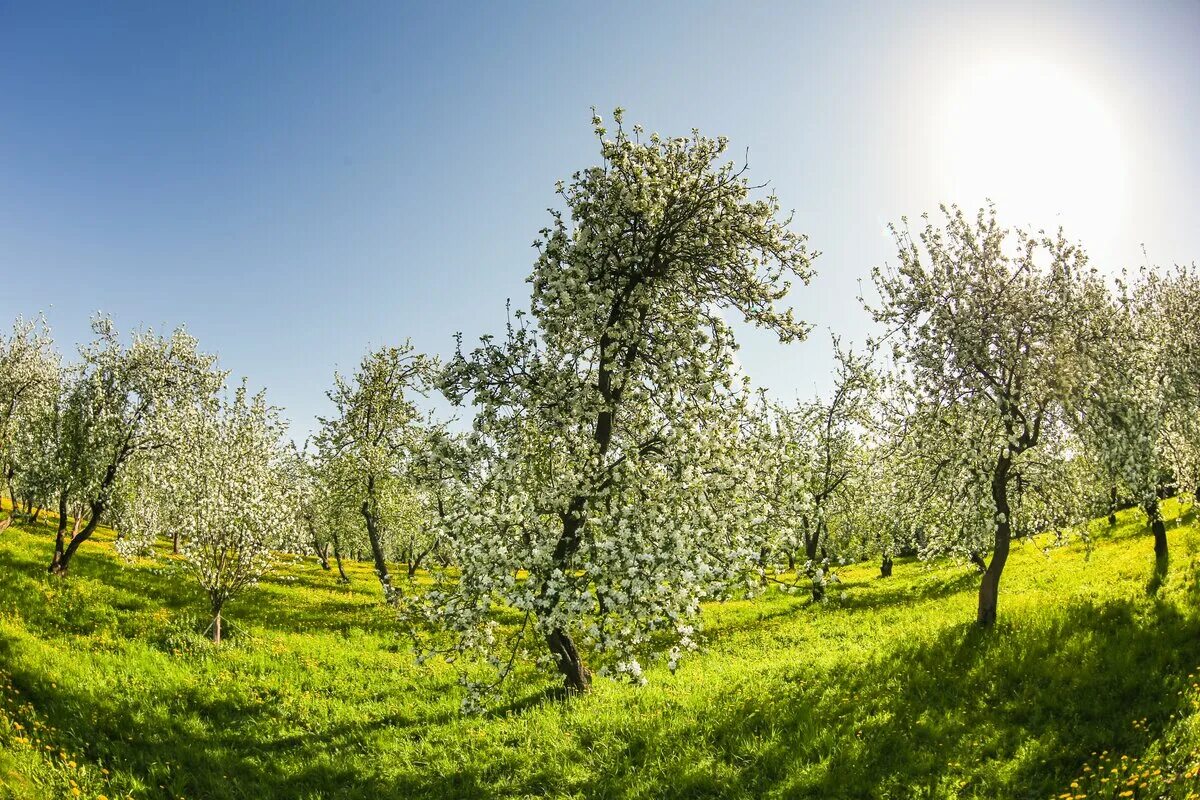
(887,690)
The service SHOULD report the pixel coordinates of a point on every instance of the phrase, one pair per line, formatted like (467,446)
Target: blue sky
(298,182)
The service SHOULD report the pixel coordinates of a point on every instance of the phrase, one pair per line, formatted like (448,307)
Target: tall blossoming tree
(1140,421)
(1176,300)
(1124,421)
(998,332)
(119,404)
(610,413)
(371,440)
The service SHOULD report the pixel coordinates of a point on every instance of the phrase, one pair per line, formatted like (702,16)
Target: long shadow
(201,742)
(872,593)
(935,588)
(1035,699)
(1162,565)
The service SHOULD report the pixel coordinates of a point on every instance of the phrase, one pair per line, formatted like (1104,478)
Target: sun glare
(1042,142)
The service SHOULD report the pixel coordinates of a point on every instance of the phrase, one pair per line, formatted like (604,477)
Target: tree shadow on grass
(934,588)
(219,742)
(1034,699)
(1162,565)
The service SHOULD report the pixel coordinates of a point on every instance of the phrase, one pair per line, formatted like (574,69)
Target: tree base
(577,678)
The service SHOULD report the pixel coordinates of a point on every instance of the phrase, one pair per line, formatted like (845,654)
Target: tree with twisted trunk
(610,412)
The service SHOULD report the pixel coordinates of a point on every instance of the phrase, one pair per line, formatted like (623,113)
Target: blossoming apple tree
(370,441)
(998,333)
(119,404)
(29,374)
(610,501)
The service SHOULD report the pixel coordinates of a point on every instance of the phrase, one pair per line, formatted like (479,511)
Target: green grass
(886,691)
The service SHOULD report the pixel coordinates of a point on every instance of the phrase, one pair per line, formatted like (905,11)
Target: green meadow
(1086,688)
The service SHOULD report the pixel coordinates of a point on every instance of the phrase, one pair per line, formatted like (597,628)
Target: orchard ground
(108,688)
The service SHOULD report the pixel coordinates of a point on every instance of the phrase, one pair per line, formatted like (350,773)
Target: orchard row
(620,468)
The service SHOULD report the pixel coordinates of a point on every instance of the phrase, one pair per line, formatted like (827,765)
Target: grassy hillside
(107,689)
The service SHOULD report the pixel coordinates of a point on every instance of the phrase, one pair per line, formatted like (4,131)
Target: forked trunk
(337,556)
(62,556)
(322,555)
(885,569)
(415,563)
(577,678)
(62,559)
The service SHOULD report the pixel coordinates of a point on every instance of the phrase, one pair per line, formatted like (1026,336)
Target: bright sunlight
(1039,139)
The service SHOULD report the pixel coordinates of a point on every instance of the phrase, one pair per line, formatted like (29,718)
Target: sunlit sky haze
(299,182)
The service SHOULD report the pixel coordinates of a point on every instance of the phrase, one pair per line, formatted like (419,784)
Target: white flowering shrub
(228,485)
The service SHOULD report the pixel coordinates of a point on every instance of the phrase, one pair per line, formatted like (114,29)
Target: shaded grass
(885,691)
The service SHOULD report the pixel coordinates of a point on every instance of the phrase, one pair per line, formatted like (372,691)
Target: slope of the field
(887,690)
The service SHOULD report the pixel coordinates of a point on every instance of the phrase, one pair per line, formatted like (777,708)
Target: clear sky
(298,182)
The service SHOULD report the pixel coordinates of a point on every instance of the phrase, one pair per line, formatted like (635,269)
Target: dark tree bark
(989,586)
(61,536)
(414,564)
(381,568)
(577,678)
(175,543)
(885,568)
(337,556)
(1112,506)
(812,540)
(63,555)
(322,554)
